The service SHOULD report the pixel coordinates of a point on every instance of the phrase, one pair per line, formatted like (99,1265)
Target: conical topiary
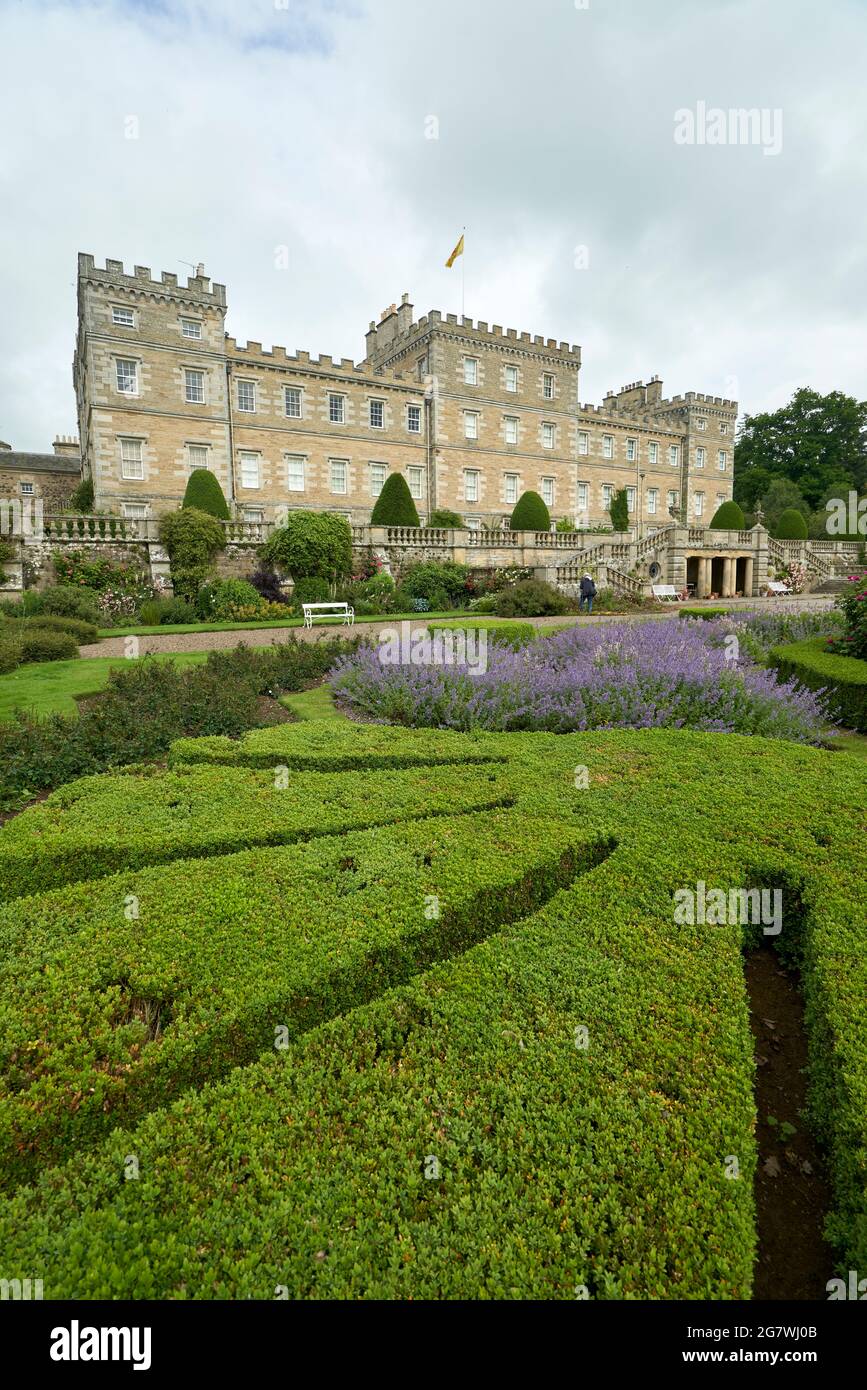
(394,505)
(728,517)
(530,514)
(619,510)
(791,526)
(205,494)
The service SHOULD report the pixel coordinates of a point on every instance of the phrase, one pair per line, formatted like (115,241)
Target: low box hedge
(511,634)
(453,1138)
(844,678)
(706,613)
(319,744)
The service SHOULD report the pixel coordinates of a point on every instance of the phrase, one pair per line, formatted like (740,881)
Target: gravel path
(264,636)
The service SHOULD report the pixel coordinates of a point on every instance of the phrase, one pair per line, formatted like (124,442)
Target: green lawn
(314,704)
(51,687)
(274,622)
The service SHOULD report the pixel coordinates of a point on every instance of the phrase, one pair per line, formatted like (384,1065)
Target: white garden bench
(328,610)
(776,586)
(665,593)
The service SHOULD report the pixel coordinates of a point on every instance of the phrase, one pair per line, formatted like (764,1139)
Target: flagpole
(463,272)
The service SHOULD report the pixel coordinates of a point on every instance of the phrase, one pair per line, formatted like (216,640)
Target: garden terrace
(429,1124)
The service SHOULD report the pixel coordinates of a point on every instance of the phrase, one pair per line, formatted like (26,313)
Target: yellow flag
(458,251)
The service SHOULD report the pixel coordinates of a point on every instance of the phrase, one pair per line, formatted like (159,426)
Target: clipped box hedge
(448,1138)
(317,744)
(844,678)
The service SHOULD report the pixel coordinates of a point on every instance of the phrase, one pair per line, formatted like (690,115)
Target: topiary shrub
(443,517)
(532,598)
(192,539)
(530,514)
(42,644)
(791,526)
(10,653)
(728,517)
(311,543)
(67,601)
(619,510)
(203,491)
(394,505)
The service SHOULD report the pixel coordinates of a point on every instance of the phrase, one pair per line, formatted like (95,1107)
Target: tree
(311,543)
(204,492)
(443,517)
(817,524)
(530,514)
(394,505)
(792,526)
(192,539)
(619,510)
(82,498)
(812,441)
(728,517)
(782,496)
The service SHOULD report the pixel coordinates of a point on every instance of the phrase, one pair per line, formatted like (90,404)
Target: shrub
(619,510)
(82,568)
(532,598)
(43,644)
(225,596)
(706,614)
(311,544)
(852,606)
(394,505)
(192,539)
(566,524)
(842,680)
(11,653)
(791,526)
(83,632)
(266,582)
(513,635)
(203,492)
(65,601)
(82,499)
(310,590)
(530,514)
(157,612)
(443,584)
(441,516)
(728,517)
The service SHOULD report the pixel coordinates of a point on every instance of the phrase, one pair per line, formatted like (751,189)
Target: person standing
(586,593)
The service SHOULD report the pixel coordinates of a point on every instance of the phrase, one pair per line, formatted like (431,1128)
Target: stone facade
(472,415)
(51,478)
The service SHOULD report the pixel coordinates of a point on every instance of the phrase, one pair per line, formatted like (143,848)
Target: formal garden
(352,969)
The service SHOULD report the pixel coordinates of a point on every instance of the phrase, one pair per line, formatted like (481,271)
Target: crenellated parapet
(252,354)
(197,290)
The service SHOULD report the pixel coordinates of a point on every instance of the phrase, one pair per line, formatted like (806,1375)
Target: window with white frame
(472,523)
(724,428)
(415,481)
(26,489)
(131,460)
(630,498)
(194,386)
(583,442)
(653,452)
(127,376)
(608,446)
(292,402)
(377,415)
(471,371)
(511,488)
(607,495)
(378,473)
(652,500)
(339,472)
(511,378)
(548,386)
(471,424)
(720,498)
(548,436)
(254,514)
(134,511)
(548,491)
(247,397)
(699,457)
(673,499)
(249,468)
(701,423)
(510,424)
(583,497)
(471,485)
(674,454)
(120,314)
(191,328)
(413,419)
(631,450)
(336,408)
(295,472)
(197,456)
(722,460)
(698,504)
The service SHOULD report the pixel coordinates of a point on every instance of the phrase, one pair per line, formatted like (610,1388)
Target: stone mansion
(472,415)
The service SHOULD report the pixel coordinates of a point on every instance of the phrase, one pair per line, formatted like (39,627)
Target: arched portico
(725,573)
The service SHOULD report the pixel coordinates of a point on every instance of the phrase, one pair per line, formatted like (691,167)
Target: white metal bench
(776,586)
(664,593)
(328,610)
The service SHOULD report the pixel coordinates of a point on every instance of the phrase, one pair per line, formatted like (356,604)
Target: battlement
(253,353)
(637,398)
(198,288)
(397,329)
(623,418)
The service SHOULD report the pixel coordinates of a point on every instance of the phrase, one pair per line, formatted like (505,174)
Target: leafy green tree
(782,496)
(82,499)
(530,514)
(817,523)
(311,544)
(727,517)
(811,441)
(204,492)
(394,505)
(619,510)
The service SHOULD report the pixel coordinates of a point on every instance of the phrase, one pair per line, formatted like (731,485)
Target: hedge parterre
(842,680)
(461,1135)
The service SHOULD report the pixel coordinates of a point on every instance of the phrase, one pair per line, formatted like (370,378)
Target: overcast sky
(307,124)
